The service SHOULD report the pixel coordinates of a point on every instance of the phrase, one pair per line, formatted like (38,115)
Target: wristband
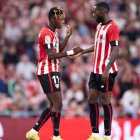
(71,52)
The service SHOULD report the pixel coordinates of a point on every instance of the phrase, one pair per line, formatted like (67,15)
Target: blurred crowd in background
(20,92)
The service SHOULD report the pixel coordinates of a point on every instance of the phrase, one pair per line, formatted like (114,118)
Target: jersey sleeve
(113,34)
(47,40)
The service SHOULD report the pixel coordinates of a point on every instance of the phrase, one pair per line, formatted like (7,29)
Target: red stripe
(44,120)
(55,50)
(113,68)
(51,85)
(100,50)
(103,67)
(43,53)
(49,66)
(42,67)
(95,52)
(99,53)
(94,58)
(106,51)
(98,57)
(55,65)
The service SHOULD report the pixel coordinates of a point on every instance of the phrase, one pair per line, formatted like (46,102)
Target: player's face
(97,14)
(59,22)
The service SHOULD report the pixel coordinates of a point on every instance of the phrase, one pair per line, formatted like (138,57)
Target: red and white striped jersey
(106,36)
(49,39)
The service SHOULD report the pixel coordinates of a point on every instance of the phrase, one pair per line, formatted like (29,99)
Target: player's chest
(101,35)
(55,41)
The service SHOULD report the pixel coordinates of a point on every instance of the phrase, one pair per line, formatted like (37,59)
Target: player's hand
(77,50)
(105,76)
(69,31)
(77,54)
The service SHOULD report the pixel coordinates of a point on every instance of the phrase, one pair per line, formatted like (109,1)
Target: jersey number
(56,81)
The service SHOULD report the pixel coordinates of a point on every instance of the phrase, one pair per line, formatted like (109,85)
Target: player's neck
(52,28)
(106,20)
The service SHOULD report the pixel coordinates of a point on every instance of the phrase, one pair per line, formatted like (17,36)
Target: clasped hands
(77,52)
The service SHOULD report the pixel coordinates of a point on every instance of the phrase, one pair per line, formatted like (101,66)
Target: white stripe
(117,43)
(49,46)
(53,65)
(57,65)
(57,50)
(97,31)
(103,49)
(115,65)
(98,26)
(111,70)
(46,70)
(39,68)
(97,47)
(53,44)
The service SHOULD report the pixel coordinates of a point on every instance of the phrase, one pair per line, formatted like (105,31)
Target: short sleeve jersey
(47,40)
(106,37)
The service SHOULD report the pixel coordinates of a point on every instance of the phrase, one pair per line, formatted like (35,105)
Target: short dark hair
(103,5)
(54,12)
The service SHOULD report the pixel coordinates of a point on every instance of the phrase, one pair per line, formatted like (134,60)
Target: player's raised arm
(65,41)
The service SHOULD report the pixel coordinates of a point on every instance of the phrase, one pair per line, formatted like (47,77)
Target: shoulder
(45,31)
(114,25)
(113,28)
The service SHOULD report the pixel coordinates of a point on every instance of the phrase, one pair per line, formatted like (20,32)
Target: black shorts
(95,82)
(50,82)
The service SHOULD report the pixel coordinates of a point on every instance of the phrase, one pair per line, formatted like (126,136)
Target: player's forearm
(88,50)
(60,55)
(64,43)
(57,55)
(114,55)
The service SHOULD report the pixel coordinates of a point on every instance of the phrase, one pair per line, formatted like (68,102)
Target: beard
(99,19)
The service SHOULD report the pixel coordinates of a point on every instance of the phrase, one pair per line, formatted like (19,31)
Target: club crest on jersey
(47,39)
